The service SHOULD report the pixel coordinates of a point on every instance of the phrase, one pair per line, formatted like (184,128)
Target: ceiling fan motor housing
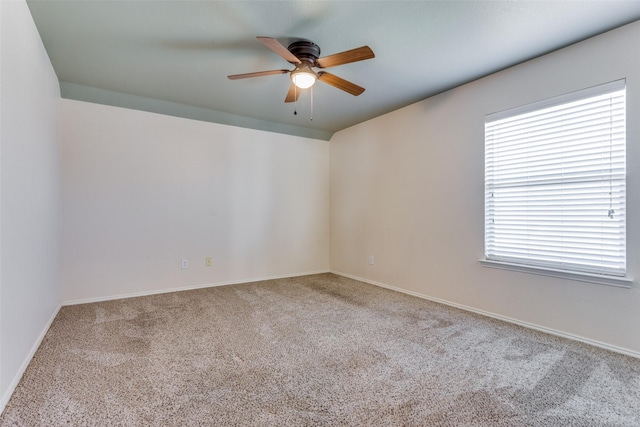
(305,51)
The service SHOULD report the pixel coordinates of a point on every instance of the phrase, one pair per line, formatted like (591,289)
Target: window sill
(621,282)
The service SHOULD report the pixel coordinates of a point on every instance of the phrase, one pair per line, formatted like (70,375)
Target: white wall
(29,193)
(408,188)
(141,191)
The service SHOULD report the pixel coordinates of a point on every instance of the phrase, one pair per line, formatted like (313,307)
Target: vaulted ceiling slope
(173,57)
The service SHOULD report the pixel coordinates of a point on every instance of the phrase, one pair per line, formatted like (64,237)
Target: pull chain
(295,95)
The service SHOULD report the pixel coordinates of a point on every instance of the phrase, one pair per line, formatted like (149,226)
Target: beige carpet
(314,350)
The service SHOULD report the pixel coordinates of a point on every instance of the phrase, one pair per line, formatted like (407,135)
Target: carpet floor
(314,350)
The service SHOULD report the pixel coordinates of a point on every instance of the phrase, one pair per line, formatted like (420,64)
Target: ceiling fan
(304,55)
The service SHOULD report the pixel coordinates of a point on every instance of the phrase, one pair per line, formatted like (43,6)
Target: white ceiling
(173,57)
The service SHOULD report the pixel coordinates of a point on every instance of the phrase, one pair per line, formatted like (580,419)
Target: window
(555,186)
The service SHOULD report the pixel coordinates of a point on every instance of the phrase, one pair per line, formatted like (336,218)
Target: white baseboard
(544,329)
(27,360)
(187,288)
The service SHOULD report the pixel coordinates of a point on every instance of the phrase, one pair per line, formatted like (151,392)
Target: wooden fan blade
(279,48)
(340,83)
(353,55)
(256,74)
(293,94)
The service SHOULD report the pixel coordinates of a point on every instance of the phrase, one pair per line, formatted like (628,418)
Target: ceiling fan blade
(279,48)
(353,55)
(293,94)
(340,83)
(256,74)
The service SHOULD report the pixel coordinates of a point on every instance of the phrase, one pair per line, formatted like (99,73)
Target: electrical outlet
(185,263)
(208,262)
(370,259)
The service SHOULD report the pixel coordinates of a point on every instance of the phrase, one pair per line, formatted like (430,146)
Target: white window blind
(555,183)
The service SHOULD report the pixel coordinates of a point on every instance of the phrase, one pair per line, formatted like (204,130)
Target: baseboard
(544,329)
(187,288)
(9,392)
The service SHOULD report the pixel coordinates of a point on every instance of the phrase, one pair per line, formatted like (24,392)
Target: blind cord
(611,211)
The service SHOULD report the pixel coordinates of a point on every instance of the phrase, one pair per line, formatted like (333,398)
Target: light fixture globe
(303,80)
(303,76)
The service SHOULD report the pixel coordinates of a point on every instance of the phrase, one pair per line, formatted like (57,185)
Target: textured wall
(407,187)
(141,191)
(29,193)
